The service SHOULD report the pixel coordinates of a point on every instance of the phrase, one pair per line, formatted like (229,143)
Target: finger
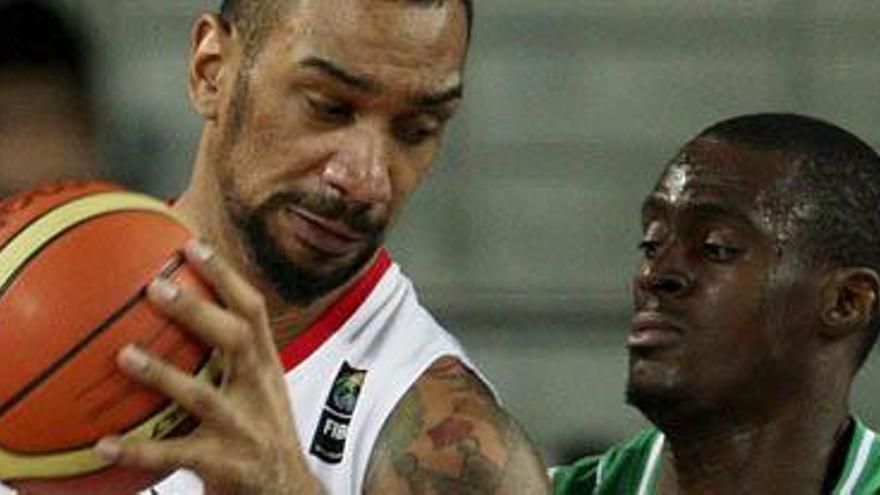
(200,399)
(236,292)
(214,325)
(151,455)
(239,295)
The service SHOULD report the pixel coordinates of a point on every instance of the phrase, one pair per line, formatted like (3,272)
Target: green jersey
(631,468)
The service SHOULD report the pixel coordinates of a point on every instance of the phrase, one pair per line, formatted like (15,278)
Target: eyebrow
(437,99)
(370,85)
(333,70)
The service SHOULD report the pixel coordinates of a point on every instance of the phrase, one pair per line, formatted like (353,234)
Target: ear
(849,300)
(210,53)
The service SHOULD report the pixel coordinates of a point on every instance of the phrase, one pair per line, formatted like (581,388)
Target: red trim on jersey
(307,342)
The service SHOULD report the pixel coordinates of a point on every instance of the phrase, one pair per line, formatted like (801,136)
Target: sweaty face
(330,127)
(721,300)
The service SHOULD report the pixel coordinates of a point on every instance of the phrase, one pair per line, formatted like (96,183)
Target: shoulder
(448,434)
(615,470)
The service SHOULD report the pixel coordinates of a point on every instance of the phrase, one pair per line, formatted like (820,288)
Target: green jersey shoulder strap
(631,468)
(627,469)
(861,472)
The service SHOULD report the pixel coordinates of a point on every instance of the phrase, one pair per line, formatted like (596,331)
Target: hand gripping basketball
(246,442)
(75,258)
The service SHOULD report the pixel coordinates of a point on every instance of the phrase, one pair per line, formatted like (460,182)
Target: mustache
(363,218)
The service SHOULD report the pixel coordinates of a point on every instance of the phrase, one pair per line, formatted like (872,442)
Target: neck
(201,208)
(788,453)
(288,320)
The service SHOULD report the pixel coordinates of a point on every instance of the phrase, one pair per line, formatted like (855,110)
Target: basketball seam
(171,267)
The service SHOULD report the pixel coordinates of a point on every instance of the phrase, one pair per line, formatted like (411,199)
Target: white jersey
(348,371)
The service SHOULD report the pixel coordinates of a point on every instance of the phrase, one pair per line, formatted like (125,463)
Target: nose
(665,275)
(360,169)
(668,283)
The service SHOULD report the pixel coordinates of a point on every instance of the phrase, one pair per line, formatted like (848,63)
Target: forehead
(714,170)
(387,39)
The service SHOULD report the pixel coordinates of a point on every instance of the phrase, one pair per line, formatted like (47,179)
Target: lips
(651,329)
(319,234)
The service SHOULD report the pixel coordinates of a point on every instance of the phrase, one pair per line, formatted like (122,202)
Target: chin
(325,264)
(300,275)
(301,282)
(654,389)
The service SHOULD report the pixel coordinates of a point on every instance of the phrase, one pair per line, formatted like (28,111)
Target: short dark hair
(254,18)
(35,36)
(837,179)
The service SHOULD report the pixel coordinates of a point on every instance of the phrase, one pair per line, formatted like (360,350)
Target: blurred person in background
(756,305)
(47,122)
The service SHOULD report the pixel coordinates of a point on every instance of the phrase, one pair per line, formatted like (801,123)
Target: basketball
(75,260)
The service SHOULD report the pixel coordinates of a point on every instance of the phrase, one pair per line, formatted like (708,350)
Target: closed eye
(415,130)
(329,110)
(720,253)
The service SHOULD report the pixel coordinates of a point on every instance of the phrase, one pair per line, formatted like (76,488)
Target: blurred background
(524,238)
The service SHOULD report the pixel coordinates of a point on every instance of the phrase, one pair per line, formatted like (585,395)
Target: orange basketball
(75,258)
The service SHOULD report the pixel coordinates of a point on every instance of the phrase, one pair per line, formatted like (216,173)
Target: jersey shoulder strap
(861,472)
(626,469)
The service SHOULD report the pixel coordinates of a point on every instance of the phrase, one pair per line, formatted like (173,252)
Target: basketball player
(756,305)
(320,118)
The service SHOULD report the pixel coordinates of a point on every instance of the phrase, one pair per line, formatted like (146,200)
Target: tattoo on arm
(448,436)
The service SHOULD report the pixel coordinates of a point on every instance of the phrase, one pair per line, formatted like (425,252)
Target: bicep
(448,435)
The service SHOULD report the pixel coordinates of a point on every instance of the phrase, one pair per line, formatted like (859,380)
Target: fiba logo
(328,442)
(345,392)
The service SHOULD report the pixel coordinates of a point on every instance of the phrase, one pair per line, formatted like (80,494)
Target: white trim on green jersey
(855,472)
(652,467)
(632,468)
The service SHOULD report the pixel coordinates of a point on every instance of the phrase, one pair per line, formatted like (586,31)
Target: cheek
(272,155)
(788,311)
(733,314)
(275,132)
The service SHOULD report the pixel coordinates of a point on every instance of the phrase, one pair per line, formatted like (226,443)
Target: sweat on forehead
(833,195)
(827,178)
(709,164)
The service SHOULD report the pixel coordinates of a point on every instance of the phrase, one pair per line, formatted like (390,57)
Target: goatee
(299,282)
